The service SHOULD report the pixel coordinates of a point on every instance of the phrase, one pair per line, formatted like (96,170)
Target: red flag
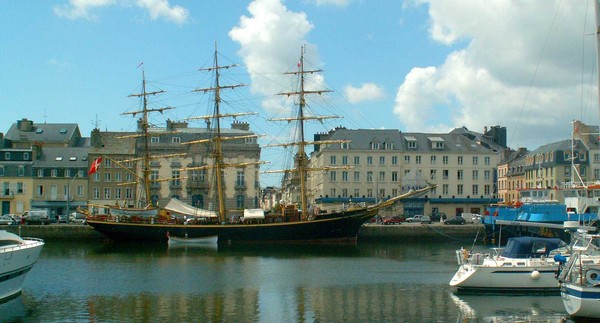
(95,165)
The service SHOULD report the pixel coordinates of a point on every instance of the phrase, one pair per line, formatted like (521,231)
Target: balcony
(197,184)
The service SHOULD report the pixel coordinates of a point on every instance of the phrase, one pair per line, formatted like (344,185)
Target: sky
(415,65)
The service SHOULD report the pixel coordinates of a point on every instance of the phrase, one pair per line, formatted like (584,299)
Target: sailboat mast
(597,11)
(145,125)
(217,152)
(146,172)
(301,158)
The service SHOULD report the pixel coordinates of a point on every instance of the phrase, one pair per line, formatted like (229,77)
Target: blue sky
(414,65)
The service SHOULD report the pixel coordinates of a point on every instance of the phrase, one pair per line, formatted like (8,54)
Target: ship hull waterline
(341,229)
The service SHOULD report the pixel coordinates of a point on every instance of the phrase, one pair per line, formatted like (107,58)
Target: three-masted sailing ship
(291,223)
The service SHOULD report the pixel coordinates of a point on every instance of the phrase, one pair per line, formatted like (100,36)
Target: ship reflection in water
(258,283)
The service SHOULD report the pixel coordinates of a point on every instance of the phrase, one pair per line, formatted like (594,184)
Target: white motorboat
(580,278)
(18,257)
(524,265)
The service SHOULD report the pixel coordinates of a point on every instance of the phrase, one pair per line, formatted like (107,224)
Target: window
(374,145)
(128,193)
(344,192)
(445,160)
(381,160)
(475,189)
(96,177)
(1,170)
(175,178)
(486,175)
(240,178)
(445,189)
(128,177)
(80,190)
(417,159)
(382,176)
(344,145)
(459,160)
(475,174)
(432,174)
(475,160)
(487,189)
(21,171)
(7,155)
(356,192)
(117,177)
(459,174)
(332,176)
(332,192)
(459,189)
(394,160)
(407,159)
(107,163)
(369,176)
(344,176)
(369,192)
(25,156)
(176,140)
(154,179)
(67,173)
(487,161)
(356,160)
(118,193)
(154,140)
(344,160)
(20,188)
(394,176)
(433,160)
(357,176)
(369,160)
(107,193)
(388,145)
(239,201)
(332,160)
(53,172)
(96,193)
(107,177)
(445,174)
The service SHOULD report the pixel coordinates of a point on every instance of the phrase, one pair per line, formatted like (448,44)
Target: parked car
(396,219)
(457,220)
(425,219)
(416,218)
(436,217)
(77,217)
(7,219)
(36,217)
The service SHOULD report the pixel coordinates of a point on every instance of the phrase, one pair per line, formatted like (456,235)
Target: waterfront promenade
(406,232)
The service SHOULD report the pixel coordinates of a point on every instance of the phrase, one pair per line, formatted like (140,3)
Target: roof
(44,132)
(63,157)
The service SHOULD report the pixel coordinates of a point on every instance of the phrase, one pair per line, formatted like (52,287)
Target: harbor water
(377,282)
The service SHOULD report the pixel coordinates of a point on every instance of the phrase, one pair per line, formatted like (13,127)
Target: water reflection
(365,282)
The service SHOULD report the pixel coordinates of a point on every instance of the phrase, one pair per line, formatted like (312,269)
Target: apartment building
(386,163)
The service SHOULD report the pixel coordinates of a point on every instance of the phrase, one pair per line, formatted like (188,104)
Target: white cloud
(81,8)
(515,69)
(366,92)
(339,3)
(270,39)
(157,9)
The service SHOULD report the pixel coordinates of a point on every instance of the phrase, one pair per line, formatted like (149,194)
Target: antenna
(96,122)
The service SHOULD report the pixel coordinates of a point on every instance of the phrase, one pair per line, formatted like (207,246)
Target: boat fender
(593,276)
(560,258)
(535,275)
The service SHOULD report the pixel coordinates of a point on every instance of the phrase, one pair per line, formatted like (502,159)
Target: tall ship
(298,222)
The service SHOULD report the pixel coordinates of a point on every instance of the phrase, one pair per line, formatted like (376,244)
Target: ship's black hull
(339,229)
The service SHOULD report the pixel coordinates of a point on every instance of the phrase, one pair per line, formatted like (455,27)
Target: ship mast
(145,125)
(301,158)
(217,152)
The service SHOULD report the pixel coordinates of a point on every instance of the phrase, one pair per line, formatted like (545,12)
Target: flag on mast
(95,165)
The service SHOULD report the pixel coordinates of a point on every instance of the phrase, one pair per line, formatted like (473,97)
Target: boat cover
(258,214)
(530,247)
(177,206)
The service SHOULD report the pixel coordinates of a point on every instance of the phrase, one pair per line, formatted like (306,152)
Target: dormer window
(374,145)
(436,143)
(176,140)
(344,145)
(411,142)
(388,145)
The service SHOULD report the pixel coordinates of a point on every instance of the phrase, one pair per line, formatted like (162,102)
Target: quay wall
(405,232)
